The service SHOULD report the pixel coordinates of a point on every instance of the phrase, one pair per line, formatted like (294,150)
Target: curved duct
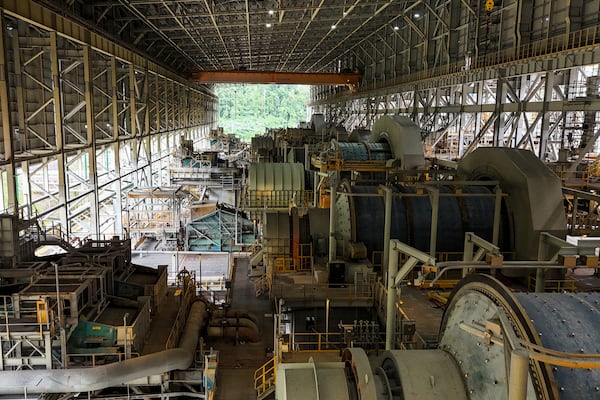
(116,374)
(234,332)
(359,135)
(404,139)
(241,322)
(534,201)
(220,313)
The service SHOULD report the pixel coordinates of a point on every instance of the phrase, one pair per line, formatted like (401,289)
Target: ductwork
(404,138)
(234,332)
(116,374)
(235,314)
(241,322)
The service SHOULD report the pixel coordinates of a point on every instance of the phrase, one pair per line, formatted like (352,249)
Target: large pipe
(241,322)
(235,314)
(236,332)
(116,374)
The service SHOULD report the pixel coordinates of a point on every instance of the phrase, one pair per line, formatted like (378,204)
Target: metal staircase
(261,285)
(264,379)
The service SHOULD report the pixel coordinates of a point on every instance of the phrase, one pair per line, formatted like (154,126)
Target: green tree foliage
(248,110)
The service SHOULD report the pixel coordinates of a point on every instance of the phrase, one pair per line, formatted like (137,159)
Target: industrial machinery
(403,138)
(274,185)
(506,196)
(86,321)
(494,344)
(224,229)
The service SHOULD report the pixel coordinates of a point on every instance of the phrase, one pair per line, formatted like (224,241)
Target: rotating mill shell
(361,217)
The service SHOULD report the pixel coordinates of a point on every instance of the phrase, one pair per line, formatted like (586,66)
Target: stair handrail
(264,376)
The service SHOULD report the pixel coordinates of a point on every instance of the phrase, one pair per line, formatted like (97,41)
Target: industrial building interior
(431,231)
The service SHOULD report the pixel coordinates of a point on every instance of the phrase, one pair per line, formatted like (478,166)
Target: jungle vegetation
(248,110)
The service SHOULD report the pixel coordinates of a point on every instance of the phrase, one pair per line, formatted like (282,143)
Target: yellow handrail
(558,285)
(264,376)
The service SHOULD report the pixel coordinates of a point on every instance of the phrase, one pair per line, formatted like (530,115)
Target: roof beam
(284,78)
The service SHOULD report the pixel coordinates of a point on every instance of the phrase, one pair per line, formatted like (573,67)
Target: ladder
(264,379)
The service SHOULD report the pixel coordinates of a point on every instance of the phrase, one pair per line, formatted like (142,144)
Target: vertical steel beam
(25,189)
(171,105)
(435,208)
(118,200)
(501,84)
(156,95)
(146,130)
(159,101)
(19,90)
(59,133)
(7,133)
(90,120)
(332,222)
(545,129)
(134,143)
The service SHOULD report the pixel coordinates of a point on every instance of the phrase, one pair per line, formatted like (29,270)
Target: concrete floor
(427,315)
(238,361)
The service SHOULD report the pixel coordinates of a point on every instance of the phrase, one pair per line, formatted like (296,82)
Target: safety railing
(264,377)
(584,223)
(181,318)
(553,285)
(277,198)
(282,263)
(377,260)
(213,283)
(317,342)
(288,264)
(574,179)
(32,320)
(89,360)
(135,333)
(315,291)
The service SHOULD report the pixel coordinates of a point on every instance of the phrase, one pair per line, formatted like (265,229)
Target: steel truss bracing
(84,120)
(526,75)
